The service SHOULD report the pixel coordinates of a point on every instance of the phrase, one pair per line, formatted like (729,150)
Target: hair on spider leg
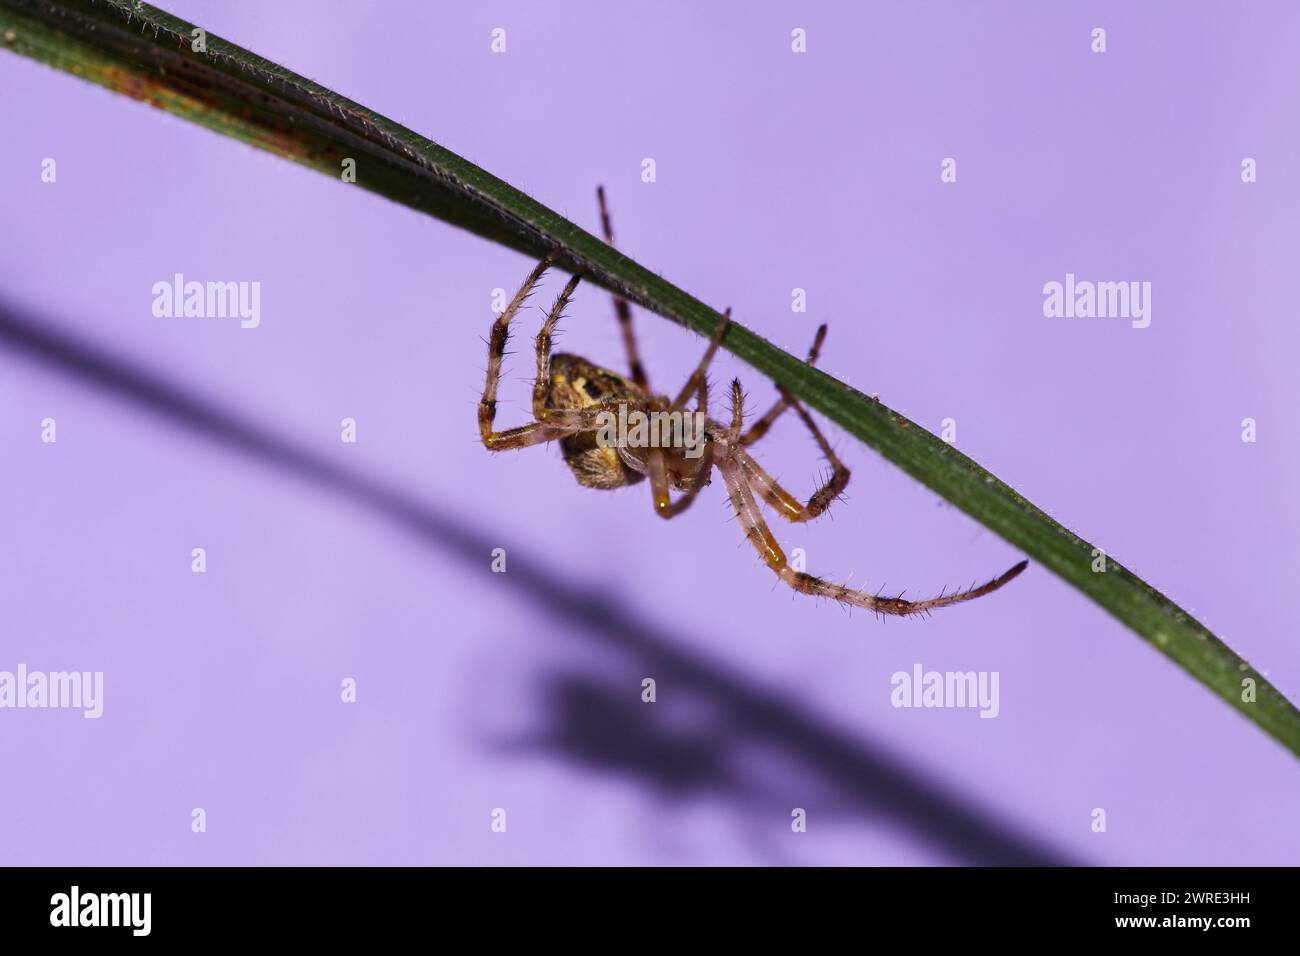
(561,303)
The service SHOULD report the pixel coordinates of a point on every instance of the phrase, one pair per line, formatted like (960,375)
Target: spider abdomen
(578,384)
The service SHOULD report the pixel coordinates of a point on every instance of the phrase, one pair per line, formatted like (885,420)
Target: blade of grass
(141,51)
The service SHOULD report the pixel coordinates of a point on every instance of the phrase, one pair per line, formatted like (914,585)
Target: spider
(574,398)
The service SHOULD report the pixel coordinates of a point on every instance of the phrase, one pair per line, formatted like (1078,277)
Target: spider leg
(760,535)
(487,406)
(534,433)
(764,424)
(622,309)
(693,383)
(571,419)
(655,465)
(737,411)
(657,472)
(698,483)
(767,487)
(541,387)
(664,507)
(784,503)
(557,423)
(551,423)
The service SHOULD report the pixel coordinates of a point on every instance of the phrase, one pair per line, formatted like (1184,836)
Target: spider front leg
(551,423)
(543,346)
(487,406)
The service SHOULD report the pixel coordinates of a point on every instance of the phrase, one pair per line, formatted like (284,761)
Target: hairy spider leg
(781,501)
(622,309)
(552,423)
(542,386)
(701,478)
(737,410)
(760,536)
(656,470)
(693,383)
(764,424)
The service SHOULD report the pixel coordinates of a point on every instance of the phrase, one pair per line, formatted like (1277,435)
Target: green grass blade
(145,53)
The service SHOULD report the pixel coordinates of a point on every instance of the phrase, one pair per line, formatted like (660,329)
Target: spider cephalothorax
(677,446)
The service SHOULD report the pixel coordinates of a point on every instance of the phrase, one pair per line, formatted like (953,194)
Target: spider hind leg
(744,476)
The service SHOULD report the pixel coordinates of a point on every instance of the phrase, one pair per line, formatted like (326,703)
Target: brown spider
(574,400)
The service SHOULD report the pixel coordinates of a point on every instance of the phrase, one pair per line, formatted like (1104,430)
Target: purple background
(521,691)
